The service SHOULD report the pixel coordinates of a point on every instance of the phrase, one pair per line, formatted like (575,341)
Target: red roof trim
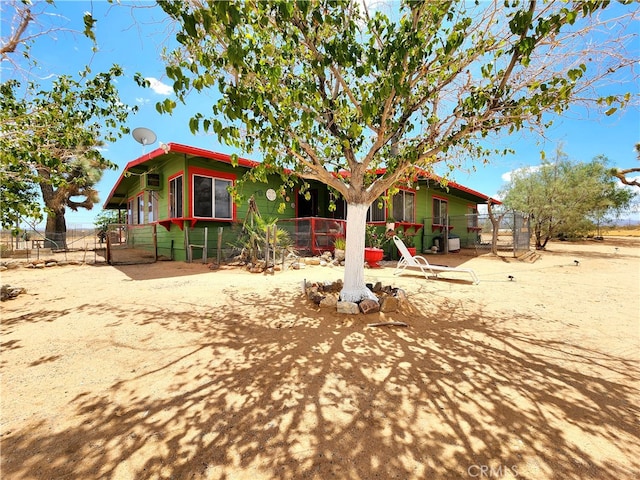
(195,151)
(432,176)
(201,152)
(243,162)
(179,148)
(468,190)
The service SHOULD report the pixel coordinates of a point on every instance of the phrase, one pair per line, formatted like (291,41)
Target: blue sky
(133,38)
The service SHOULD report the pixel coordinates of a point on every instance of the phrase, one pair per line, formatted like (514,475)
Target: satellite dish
(144,136)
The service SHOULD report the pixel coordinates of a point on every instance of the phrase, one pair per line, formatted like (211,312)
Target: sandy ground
(174,371)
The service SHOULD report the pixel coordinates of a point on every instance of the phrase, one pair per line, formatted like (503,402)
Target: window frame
(152,206)
(140,209)
(472,217)
(440,200)
(403,218)
(130,211)
(214,175)
(384,211)
(172,198)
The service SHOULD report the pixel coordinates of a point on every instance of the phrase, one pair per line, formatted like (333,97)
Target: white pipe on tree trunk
(354,288)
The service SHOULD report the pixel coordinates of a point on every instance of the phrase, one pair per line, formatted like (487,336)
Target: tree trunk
(495,227)
(56,227)
(56,230)
(538,235)
(543,244)
(355,289)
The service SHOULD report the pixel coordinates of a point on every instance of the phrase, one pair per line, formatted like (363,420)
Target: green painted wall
(172,240)
(458,208)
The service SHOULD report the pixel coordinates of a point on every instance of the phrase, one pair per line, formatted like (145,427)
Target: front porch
(313,235)
(316,235)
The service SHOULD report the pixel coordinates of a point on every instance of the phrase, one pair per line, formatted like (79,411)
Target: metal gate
(513,234)
(131,244)
(476,231)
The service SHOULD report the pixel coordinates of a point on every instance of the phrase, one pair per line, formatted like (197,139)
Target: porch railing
(314,235)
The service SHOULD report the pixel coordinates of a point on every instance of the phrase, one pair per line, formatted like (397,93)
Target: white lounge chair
(417,262)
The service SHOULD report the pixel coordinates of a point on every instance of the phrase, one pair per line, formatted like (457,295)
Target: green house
(178,195)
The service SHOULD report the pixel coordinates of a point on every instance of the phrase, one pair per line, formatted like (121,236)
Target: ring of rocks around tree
(327,295)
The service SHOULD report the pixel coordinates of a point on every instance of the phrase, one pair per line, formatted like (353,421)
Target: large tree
(333,90)
(52,134)
(51,138)
(564,197)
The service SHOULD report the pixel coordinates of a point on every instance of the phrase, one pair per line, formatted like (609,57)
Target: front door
(308,208)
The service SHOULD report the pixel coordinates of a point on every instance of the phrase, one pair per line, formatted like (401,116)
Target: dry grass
(633,231)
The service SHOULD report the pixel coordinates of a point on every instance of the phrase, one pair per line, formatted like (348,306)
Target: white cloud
(158,87)
(507,176)
(142,101)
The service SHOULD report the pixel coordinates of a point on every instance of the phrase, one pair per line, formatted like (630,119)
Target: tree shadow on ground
(287,391)
(157,270)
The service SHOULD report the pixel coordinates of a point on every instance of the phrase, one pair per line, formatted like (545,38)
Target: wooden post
(204,245)
(107,252)
(186,243)
(155,243)
(446,233)
(219,252)
(275,243)
(266,247)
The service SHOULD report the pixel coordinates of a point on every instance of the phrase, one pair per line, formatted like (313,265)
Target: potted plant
(339,246)
(408,238)
(375,241)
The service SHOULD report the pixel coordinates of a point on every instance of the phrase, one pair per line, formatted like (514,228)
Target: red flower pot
(372,256)
(412,251)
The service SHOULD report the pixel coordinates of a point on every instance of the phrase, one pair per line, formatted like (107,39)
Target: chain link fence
(475,231)
(131,244)
(33,243)
(513,234)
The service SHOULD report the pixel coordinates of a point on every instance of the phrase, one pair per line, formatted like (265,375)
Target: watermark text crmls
(491,471)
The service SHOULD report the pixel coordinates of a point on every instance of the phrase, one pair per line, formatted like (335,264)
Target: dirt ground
(172,370)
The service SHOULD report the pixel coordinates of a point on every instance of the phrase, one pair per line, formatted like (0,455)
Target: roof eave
(176,148)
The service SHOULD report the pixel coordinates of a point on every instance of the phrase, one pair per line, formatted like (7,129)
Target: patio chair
(418,262)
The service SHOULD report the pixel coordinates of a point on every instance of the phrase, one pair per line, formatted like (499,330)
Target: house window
(130,211)
(439,211)
(377,211)
(211,197)
(175,197)
(404,206)
(472,216)
(139,209)
(152,207)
